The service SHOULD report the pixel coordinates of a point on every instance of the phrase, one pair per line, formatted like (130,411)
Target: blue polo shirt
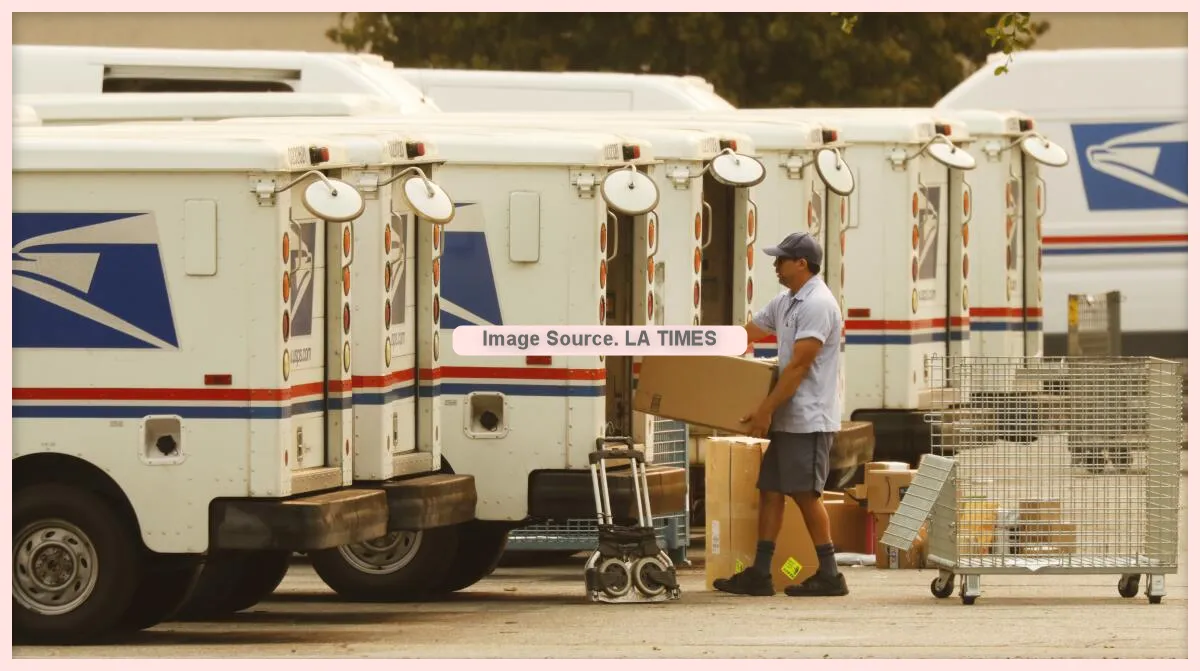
(811,312)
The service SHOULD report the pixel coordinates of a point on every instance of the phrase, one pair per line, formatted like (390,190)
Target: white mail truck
(1116,215)
(170,406)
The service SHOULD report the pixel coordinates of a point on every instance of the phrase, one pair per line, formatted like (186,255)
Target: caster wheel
(1128,586)
(942,591)
(1155,599)
(968,600)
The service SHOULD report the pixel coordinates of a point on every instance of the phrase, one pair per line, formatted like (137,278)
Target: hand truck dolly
(627,566)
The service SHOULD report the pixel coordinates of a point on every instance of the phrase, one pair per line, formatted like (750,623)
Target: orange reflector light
(966,266)
(650,270)
(603,238)
(221,379)
(696,294)
(650,232)
(603,310)
(346,281)
(387,313)
(966,232)
(749,290)
(699,226)
(914,270)
(346,241)
(437,271)
(650,306)
(915,204)
(437,308)
(696,258)
(287,248)
(287,287)
(749,257)
(603,273)
(750,222)
(387,239)
(346,318)
(916,236)
(287,326)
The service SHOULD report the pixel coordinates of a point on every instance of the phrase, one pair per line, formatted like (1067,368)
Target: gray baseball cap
(797,246)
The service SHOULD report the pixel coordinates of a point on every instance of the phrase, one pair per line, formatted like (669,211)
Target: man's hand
(759,421)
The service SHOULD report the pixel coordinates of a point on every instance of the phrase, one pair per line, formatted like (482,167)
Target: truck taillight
(631,151)
(414,149)
(318,155)
(942,129)
(828,136)
(729,144)
(1025,125)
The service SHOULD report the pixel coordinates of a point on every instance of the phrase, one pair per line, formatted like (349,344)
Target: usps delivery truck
(1116,215)
(39,68)
(461,90)
(168,407)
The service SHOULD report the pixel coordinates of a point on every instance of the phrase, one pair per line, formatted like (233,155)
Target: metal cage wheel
(1127,586)
(1155,599)
(942,590)
(968,600)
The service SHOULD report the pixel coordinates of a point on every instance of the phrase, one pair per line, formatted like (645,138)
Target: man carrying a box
(800,416)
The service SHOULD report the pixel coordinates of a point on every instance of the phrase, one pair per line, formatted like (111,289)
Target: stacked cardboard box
(885,484)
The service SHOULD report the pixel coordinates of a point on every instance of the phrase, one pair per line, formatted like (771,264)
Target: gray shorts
(795,462)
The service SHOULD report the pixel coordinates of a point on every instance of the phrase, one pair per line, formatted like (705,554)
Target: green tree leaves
(752,59)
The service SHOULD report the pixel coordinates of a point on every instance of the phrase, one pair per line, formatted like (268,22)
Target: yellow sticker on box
(738,566)
(791,568)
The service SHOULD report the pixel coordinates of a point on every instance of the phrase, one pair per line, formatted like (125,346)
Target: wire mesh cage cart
(670,447)
(1094,324)
(1067,465)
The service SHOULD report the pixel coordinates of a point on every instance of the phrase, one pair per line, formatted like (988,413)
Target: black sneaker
(749,582)
(819,585)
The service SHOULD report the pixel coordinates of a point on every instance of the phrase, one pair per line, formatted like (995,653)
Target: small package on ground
(712,391)
(887,557)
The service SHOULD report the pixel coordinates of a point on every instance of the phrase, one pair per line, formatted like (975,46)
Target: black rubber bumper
(301,523)
(429,501)
(565,495)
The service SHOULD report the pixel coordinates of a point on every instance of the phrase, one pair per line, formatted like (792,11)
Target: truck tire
(234,580)
(166,585)
(480,547)
(401,566)
(76,565)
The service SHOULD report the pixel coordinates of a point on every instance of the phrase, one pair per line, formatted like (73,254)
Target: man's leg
(770,519)
(808,470)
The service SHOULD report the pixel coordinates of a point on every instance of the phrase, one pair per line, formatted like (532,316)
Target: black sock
(828,563)
(762,558)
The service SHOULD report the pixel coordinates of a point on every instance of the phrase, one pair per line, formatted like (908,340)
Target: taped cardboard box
(886,487)
(712,391)
(731,511)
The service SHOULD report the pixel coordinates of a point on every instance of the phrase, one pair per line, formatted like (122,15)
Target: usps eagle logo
(1133,166)
(89,281)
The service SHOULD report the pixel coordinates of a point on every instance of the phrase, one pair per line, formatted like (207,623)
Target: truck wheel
(480,547)
(165,587)
(401,566)
(235,580)
(76,565)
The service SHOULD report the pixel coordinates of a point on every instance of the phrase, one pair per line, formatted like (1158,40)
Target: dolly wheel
(943,590)
(1128,586)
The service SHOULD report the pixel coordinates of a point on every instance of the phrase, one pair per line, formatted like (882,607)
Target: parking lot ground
(542,612)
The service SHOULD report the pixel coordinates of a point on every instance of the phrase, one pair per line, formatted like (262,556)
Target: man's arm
(754,332)
(804,352)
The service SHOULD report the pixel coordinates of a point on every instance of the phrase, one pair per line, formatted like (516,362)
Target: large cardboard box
(885,488)
(731,507)
(712,391)
(848,524)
